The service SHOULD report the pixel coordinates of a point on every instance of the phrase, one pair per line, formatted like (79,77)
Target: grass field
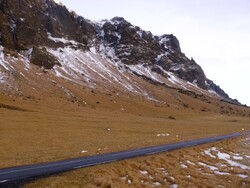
(51,129)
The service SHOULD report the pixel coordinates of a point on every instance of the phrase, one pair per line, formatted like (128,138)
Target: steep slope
(129,44)
(101,55)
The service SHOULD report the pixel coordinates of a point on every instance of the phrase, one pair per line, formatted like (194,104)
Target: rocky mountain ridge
(44,30)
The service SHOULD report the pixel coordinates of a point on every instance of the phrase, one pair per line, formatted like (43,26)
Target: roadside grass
(181,167)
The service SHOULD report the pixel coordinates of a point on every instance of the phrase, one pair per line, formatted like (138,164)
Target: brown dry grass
(163,168)
(53,128)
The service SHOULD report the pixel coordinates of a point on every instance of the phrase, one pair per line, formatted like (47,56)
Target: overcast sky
(216,33)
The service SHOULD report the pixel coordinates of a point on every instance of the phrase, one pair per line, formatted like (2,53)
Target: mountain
(43,45)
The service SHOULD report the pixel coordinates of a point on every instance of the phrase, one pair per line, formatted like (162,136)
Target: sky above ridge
(216,33)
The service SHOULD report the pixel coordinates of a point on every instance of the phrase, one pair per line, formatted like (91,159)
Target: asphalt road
(15,174)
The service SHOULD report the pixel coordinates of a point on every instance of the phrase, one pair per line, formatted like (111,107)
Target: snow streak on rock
(92,70)
(3,62)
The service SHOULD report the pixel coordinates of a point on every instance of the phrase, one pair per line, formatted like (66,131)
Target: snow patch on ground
(163,135)
(143,172)
(174,186)
(226,157)
(237,157)
(157,184)
(126,178)
(183,165)
(164,171)
(242,175)
(221,173)
(189,162)
(208,152)
(213,168)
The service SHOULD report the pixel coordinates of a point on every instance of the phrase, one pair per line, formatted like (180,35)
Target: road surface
(16,174)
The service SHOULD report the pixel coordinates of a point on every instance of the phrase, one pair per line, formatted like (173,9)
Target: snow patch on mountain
(62,40)
(144,70)
(91,70)
(58,2)
(108,51)
(2,61)
(158,58)
(6,65)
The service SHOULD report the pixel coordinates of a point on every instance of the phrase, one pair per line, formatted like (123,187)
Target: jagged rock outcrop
(217,89)
(26,23)
(37,24)
(132,45)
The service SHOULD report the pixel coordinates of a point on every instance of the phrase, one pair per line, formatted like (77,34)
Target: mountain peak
(58,2)
(44,28)
(118,19)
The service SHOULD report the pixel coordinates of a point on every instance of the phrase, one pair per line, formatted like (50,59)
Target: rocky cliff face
(131,45)
(42,24)
(27,23)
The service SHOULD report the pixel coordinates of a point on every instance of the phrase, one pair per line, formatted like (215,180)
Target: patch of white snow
(174,186)
(159,135)
(227,157)
(242,175)
(183,165)
(190,162)
(213,168)
(208,152)
(157,184)
(143,172)
(62,40)
(58,2)
(237,157)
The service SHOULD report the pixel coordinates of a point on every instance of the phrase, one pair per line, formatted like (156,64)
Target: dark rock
(42,58)
(211,85)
